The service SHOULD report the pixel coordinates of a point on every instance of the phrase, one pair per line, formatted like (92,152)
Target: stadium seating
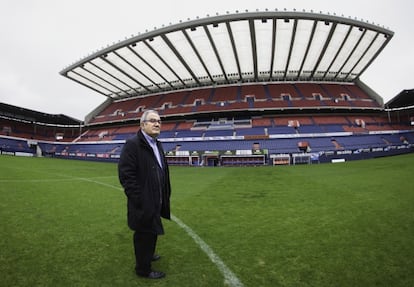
(8,145)
(275,117)
(242,97)
(31,130)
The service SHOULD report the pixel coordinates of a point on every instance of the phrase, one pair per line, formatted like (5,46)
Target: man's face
(152,125)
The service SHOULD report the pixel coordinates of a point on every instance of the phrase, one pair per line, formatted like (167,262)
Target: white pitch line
(229,277)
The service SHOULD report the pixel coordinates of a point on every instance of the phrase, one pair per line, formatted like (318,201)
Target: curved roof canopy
(233,48)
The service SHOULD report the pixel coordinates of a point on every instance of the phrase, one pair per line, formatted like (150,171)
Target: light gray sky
(38,38)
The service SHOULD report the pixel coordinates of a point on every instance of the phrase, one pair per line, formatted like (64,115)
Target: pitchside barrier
(110,151)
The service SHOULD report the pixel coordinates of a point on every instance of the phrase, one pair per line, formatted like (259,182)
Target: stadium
(254,92)
(257,88)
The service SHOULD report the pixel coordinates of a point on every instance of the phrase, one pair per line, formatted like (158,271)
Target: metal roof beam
(210,38)
(322,54)
(233,45)
(149,65)
(197,53)
(352,52)
(112,76)
(274,29)
(292,41)
(124,73)
(136,69)
(171,46)
(84,84)
(164,62)
(254,48)
(338,51)
(363,55)
(388,37)
(99,77)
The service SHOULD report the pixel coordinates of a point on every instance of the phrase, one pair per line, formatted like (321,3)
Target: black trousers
(144,247)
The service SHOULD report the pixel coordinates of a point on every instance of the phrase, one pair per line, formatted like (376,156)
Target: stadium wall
(220,148)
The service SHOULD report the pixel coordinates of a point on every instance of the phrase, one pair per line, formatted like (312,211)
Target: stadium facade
(249,88)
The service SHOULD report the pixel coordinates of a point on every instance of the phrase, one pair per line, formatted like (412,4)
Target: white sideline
(229,277)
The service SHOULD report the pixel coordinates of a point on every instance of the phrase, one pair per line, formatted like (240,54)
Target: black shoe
(153,275)
(156,257)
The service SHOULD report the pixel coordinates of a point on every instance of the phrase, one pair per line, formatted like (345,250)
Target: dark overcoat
(146,184)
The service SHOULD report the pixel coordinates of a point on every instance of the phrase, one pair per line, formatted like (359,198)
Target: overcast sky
(38,38)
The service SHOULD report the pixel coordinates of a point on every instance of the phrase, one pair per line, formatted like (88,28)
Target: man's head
(151,123)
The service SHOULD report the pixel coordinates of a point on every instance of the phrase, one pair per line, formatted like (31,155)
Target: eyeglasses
(153,121)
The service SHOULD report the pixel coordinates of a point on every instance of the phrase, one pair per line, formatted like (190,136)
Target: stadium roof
(405,99)
(267,46)
(26,115)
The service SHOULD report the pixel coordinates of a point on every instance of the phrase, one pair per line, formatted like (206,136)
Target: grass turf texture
(63,223)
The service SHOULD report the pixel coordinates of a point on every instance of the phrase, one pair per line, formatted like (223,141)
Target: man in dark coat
(144,175)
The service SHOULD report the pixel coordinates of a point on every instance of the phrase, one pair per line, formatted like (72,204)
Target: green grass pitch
(63,223)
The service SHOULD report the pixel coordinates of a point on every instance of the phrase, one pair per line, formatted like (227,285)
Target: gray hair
(144,116)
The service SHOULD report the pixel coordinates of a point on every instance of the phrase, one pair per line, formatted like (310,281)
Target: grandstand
(237,89)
